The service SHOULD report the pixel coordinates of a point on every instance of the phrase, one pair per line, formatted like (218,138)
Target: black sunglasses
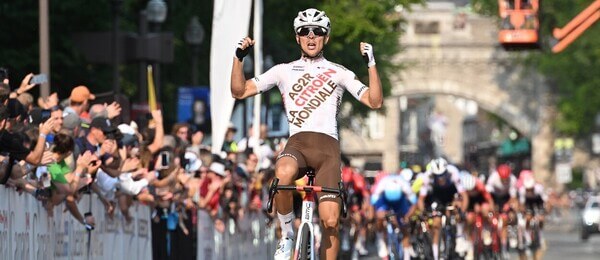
(318,31)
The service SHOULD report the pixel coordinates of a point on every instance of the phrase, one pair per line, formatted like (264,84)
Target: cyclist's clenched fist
(366,50)
(243,48)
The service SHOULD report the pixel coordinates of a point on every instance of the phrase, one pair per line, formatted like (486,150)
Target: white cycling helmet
(406,174)
(468,181)
(529,182)
(438,166)
(312,17)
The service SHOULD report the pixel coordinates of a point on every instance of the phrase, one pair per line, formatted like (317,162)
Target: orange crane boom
(566,35)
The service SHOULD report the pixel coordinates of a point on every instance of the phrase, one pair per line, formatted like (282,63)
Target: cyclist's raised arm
(373,97)
(240,87)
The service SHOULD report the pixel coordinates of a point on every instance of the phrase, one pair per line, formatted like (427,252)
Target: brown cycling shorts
(320,152)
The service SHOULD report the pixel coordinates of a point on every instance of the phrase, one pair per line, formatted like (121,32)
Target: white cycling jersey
(312,92)
(536,192)
(454,177)
(393,182)
(495,186)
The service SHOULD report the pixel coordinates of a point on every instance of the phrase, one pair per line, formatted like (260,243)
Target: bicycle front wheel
(305,246)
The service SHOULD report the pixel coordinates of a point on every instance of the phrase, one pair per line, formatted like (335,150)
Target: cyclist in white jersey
(312,89)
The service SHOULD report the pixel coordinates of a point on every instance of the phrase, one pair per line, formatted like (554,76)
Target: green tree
(573,73)
(352,21)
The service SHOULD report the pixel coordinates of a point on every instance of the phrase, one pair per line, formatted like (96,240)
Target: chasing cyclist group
(444,212)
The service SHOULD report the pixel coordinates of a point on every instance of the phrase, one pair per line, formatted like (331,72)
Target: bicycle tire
(427,251)
(305,245)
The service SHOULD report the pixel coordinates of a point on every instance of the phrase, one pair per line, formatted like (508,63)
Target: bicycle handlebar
(275,187)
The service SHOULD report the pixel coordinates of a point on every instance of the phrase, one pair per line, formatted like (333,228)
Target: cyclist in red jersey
(357,194)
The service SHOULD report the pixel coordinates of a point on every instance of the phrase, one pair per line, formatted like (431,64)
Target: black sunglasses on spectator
(318,31)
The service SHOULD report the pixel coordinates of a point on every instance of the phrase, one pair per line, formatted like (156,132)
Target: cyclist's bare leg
(329,214)
(436,228)
(285,170)
(406,243)
(380,220)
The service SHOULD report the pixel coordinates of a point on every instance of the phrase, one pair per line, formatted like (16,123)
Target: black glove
(241,53)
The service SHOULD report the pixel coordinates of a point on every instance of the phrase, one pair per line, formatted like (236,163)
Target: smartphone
(46,113)
(45,180)
(164,159)
(38,79)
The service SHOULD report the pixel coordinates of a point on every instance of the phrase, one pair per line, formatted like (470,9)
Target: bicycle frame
(308,205)
(394,237)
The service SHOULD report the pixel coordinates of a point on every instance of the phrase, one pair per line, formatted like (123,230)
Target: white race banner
(231,20)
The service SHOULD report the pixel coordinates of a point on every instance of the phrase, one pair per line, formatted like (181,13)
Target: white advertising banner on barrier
(246,238)
(231,19)
(27,232)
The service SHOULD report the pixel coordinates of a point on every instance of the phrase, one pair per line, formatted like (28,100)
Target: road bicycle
(486,237)
(421,237)
(394,236)
(448,231)
(305,239)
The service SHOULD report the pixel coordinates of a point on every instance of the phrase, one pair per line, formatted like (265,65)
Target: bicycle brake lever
(272,192)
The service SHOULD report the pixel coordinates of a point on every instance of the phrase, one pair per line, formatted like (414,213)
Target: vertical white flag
(231,20)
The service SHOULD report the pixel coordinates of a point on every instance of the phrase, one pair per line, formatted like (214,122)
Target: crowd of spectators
(58,149)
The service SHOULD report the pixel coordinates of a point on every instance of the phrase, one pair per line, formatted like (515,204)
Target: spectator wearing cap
(99,131)
(101,140)
(79,101)
(210,188)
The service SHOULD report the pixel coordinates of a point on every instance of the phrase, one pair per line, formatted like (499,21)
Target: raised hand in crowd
(109,146)
(48,102)
(46,127)
(130,164)
(157,117)
(113,110)
(157,143)
(95,163)
(25,86)
(47,157)
(83,161)
(35,156)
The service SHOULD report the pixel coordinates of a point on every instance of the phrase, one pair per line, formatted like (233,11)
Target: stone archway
(466,62)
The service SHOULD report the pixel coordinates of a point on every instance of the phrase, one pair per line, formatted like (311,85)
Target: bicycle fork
(306,232)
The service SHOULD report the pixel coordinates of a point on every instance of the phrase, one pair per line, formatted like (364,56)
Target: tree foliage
(573,73)
(353,21)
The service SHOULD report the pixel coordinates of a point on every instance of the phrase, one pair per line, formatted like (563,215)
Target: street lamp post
(194,35)
(116,5)
(143,32)
(156,13)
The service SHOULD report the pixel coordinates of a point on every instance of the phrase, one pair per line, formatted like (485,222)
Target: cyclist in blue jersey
(393,193)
